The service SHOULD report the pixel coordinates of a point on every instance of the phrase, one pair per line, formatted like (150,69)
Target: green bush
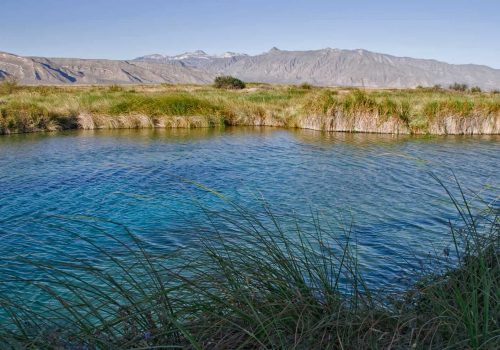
(434,88)
(475,89)
(305,86)
(458,87)
(228,82)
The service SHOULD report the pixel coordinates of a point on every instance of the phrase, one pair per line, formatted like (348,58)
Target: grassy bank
(256,285)
(420,111)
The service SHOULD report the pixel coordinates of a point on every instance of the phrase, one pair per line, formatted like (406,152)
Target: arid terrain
(325,67)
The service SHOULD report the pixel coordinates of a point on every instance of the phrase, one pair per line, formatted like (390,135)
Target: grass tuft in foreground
(256,284)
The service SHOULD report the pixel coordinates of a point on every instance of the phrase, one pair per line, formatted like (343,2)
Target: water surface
(49,182)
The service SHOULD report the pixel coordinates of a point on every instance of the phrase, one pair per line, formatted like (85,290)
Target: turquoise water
(52,183)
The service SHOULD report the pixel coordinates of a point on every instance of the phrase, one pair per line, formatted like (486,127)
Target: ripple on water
(381,182)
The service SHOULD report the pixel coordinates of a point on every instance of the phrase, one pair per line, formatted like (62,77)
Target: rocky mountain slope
(319,67)
(337,67)
(197,58)
(39,70)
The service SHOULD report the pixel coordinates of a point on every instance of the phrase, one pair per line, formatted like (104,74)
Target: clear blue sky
(456,31)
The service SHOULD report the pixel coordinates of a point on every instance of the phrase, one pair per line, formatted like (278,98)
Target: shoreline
(424,111)
(451,125)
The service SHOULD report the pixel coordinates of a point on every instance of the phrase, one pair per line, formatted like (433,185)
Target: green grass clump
(259,283)
(24,116)
(323,102)
(163,104)
(417,109)
(358,102)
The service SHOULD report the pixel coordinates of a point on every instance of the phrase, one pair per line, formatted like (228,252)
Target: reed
(256,281)
(424,110)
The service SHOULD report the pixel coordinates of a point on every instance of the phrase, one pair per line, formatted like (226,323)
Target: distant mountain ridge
(198,54)
(325,67)
(212,64)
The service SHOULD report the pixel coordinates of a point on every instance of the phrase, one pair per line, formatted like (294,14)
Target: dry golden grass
(30,108)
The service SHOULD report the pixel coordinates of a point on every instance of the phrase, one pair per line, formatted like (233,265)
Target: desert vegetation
(262,284)
(8,86)
(228,82)
(420,111)
(464,87)
(459,87)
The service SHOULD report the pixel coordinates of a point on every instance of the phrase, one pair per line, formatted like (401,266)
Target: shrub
(228,82)
(436,87)
(475,89)
(115,88)
(305,86)
(458,87)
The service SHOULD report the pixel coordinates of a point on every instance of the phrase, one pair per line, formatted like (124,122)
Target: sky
(455,31)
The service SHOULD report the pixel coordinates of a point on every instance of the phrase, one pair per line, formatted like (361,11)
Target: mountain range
(325,67)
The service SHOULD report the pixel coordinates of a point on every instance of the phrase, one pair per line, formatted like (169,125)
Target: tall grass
(8,86)
(253,281)
(26,109)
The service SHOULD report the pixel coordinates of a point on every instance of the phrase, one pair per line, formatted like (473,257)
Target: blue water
(53,182)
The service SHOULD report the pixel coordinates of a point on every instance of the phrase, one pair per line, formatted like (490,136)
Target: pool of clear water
(137,178)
